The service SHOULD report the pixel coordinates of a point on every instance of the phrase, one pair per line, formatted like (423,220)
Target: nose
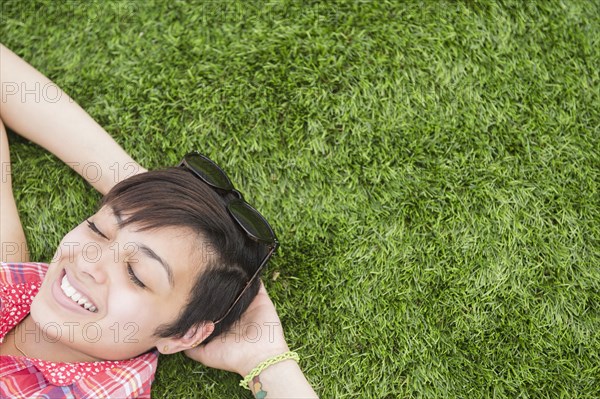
(94,262)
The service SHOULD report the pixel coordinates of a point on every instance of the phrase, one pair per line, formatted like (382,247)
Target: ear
(192,338)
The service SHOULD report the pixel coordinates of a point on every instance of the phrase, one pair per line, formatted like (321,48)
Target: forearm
(283,380)
(12,237)
(37,109)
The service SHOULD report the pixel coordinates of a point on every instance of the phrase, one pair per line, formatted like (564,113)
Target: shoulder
(17,273)
(120,379)
(109,379)
(19,283)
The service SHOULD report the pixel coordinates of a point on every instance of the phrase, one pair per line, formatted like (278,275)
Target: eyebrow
(151,254)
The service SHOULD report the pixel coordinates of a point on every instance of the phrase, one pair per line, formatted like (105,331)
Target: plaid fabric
(22,377)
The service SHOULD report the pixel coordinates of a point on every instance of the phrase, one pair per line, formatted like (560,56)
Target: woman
(169,261)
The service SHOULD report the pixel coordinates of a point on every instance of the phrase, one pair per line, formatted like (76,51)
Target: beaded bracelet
(267,363)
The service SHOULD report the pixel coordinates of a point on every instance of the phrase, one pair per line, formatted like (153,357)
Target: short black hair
(174,197)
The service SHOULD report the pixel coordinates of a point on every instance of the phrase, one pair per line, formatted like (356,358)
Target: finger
(262,288)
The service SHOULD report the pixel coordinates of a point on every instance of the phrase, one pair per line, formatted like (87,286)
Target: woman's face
(108,288)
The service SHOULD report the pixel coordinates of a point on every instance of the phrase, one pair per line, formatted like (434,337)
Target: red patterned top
(22,377)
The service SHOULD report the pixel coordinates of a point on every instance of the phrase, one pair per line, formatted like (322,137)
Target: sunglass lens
(208,171)
(251,221)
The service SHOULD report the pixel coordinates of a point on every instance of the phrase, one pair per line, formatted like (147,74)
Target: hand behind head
(257,337)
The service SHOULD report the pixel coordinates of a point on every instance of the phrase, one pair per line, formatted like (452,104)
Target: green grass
(431,168)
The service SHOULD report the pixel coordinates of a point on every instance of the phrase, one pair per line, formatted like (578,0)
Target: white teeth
(75,296)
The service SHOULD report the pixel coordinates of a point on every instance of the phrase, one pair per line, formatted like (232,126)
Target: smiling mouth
(76,296)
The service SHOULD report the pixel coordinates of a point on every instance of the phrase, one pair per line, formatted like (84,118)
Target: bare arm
(282,380)
(12,237)
(34,107)
(234,351)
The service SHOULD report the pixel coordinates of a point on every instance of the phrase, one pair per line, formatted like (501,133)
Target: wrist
(247,366)
(253,376)
(279,377)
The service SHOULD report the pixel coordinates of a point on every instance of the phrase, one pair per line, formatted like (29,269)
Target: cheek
(69,246)
(127,306)
(42,311)
(145,313)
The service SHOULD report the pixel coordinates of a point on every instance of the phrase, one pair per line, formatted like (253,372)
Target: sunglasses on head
(248,219)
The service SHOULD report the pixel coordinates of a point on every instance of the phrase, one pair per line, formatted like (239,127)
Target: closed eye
(94,228)
(134,278)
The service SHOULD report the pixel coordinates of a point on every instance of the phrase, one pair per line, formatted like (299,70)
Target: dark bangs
(168,197)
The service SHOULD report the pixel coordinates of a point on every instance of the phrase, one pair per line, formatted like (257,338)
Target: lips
(68,292)
(76,296)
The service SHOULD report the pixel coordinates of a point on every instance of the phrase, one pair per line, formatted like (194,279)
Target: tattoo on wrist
(257,388)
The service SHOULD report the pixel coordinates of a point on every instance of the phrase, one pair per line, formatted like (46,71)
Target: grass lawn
(431,169)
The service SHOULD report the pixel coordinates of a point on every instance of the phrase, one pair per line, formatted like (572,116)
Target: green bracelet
(269,362)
